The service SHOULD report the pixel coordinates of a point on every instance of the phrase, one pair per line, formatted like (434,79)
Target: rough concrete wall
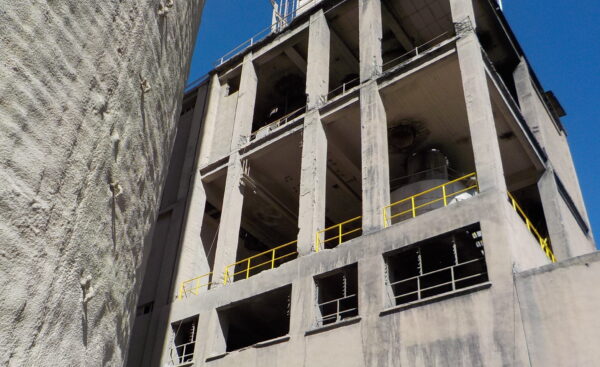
(83,156)
(559,305)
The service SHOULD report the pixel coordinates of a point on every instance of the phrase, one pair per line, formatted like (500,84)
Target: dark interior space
(260,318)
(184,340)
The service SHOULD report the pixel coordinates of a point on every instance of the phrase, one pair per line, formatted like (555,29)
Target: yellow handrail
(183,290)
(541,240)
(387,219)
(248,261)
(340,233)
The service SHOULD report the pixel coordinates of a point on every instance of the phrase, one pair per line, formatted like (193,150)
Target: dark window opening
(184,341)
(440,265)
(260,318)
(337,295)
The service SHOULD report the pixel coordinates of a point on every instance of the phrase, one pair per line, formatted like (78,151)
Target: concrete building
(372,183)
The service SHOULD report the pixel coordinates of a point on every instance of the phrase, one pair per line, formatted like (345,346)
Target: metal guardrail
(412,212)
(541,240)
(454,279)
(339,313)
(267,129)
(184,354)
(322,239)
(415,52)
(273,259)
(194,285)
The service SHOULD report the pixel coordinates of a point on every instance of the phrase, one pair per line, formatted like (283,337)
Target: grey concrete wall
(83,157)
(480,328)
(559,305)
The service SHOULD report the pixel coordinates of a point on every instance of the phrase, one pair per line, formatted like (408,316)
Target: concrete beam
(552,212)
(244,113)
(296,58)
(396,28)
(370,33)
(343,48)
(375,158)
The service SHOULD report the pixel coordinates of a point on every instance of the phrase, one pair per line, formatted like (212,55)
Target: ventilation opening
(440,265)
(256,319)
(337,295)
(184,341)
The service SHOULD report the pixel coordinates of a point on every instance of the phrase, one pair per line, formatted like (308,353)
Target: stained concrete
(89,100)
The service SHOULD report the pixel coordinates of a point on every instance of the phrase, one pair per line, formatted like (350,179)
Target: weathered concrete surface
(559,306)
(84,146)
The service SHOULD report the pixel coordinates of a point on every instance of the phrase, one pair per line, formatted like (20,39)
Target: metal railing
(322,235)
(193,286)
(453,284)
(343,89)
(282,22)
(248,263)
(445,195)
(183,354)
(267,129)
(340,310)
(417,51)
(541,240)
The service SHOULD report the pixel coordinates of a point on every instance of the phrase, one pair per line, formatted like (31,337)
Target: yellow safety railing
(339,233)
(445,195)
(272,256)
(194,285)
(541,240)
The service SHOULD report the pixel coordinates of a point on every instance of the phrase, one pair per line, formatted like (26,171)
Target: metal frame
(227,277)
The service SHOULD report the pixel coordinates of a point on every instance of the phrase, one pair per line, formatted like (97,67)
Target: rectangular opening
(269,225)
(337,295)
(440,265)
(256,319)
(184,341)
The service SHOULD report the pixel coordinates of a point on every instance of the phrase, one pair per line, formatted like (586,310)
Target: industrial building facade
(373,183)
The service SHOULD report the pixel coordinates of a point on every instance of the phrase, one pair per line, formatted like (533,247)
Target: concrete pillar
(484,137)
(231,219)
(375,159)
(210,122)
(526,94)
(317,69)
(370,34)
(552,212)
(244,113)
(313,178)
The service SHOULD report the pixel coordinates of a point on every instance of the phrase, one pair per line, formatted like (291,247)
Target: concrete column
(375,159)
(317,70)
(244,113)
(484,137)
(526,94)
(552,212)
(231,219)
(370,34)
(210,122)
(313,178)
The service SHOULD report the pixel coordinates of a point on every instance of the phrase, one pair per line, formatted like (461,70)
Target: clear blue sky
(560,37)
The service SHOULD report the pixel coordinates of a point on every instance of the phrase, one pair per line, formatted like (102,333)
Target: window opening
(437,266)
(256,319)
(184,341)
(337,296)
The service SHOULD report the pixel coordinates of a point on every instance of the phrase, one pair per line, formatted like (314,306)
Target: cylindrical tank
(426,170)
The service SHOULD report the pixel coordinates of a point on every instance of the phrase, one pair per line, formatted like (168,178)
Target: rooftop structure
(372,183)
